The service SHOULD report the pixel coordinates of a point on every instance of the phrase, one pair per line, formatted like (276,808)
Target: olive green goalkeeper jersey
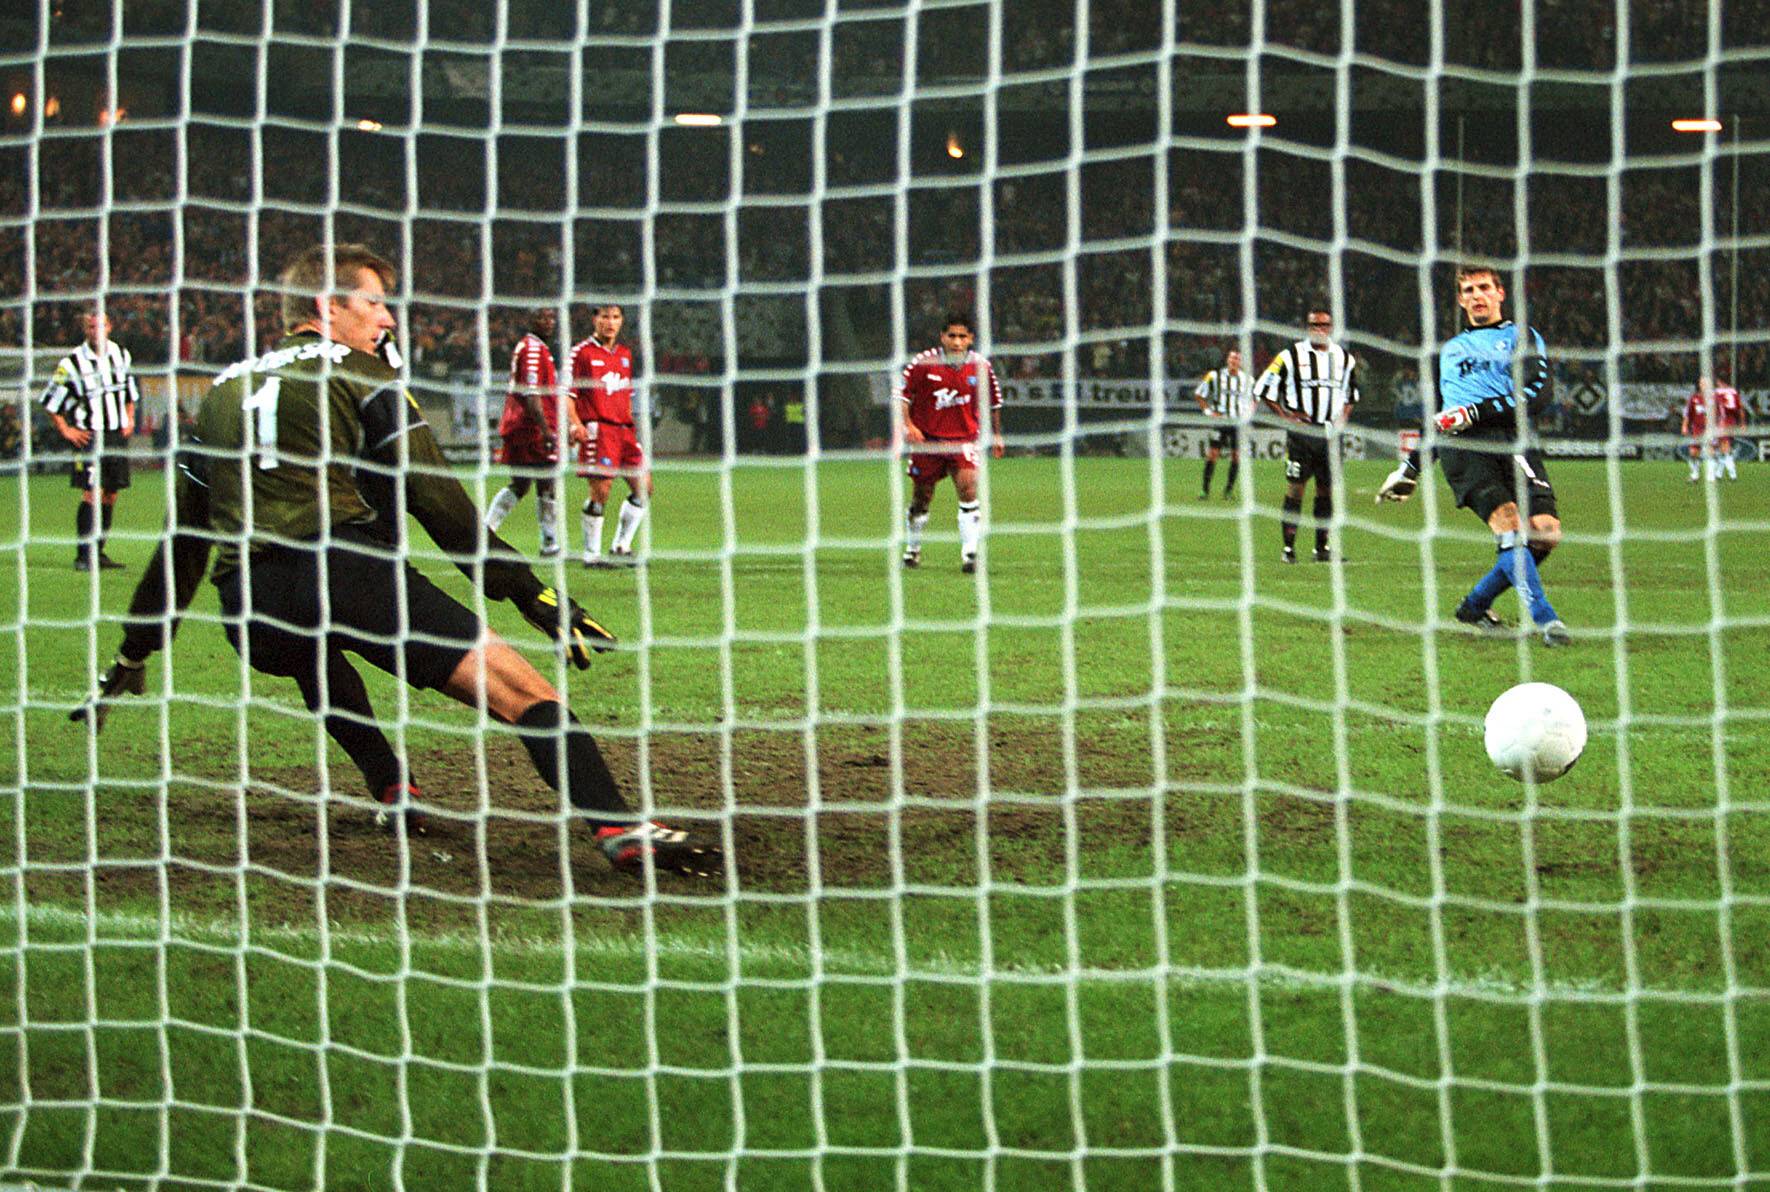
(290,441)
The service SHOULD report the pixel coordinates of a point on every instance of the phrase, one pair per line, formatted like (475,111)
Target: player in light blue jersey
(1491,379)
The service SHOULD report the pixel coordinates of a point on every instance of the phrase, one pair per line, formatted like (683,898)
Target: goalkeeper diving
(301,469)
(1492,379)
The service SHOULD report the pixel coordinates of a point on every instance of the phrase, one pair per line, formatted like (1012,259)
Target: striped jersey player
(1314,385)
(602,389)
(91,399)
(1225,394)
(937,417)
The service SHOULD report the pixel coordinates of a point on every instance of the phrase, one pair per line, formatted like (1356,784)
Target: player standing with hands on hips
(1225,393)
(1314,385)
(1492,378)
(936,417)
(91,400)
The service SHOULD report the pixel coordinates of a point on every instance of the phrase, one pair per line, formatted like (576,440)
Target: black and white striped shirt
(1317,385)
(93,390)
(1227,394)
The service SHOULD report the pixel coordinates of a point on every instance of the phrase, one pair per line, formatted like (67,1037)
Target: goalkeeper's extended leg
(350,721)
(548,730)
(567,758)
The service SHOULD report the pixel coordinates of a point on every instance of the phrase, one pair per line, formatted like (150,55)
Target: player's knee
(1504,519)
(1545,535)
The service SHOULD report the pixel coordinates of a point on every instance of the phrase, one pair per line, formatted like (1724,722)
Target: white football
(1535,730)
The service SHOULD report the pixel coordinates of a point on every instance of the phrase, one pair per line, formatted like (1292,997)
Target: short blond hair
(317,272)
(1467,271)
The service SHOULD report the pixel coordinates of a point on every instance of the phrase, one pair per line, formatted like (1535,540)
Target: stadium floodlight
(19,103)
(1250,120)
(955,148)
(699,119)
(367,125)
(1712,124)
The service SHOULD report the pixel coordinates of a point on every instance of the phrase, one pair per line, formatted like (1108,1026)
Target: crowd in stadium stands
(1028,291)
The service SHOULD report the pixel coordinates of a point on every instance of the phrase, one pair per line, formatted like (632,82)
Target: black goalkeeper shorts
(1484,480)
(379,608)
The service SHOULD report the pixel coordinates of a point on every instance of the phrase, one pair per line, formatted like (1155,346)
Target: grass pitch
(1138,860)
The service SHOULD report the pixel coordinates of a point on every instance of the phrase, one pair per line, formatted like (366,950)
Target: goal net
(1124,855)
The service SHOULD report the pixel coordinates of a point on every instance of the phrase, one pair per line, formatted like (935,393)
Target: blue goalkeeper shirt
(1475,370)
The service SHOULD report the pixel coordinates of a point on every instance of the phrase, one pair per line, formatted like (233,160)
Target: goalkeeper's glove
(123,676)
(575,630)
(1455,420)
(1398,485)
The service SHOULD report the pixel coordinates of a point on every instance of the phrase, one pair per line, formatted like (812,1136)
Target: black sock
(1234,467)
(1293,510)
(105,514)
(1210,466)
(83,530)
(589,785)
(350,721)
(1324,513)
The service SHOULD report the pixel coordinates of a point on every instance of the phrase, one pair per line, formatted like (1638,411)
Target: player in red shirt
(936,415)
(530,430)
(1711,416)
(602,389)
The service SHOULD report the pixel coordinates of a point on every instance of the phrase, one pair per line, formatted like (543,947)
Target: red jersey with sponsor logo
(531,372)
(943,398)
(1729,410)
(602,382)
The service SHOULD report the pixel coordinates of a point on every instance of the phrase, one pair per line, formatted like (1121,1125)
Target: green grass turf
(1178,868)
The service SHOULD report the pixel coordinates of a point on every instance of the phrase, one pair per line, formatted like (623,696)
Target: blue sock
(1488,588)
(1520,567)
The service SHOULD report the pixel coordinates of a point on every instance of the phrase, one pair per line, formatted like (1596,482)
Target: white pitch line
(831,962)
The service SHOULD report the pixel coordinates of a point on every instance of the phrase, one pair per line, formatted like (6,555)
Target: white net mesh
(1135,858)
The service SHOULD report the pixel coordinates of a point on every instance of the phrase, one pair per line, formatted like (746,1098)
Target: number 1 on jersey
(264,402)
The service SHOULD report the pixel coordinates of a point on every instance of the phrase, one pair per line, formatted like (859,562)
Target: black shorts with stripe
(108,470)
(376,607)
(1306,458)
(1482,481)
(1226,438)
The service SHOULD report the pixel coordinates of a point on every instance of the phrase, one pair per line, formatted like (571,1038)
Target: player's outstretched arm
(442,507)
